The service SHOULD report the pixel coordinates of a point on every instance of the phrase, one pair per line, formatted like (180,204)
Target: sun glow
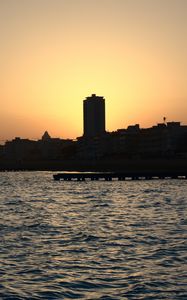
(53,58)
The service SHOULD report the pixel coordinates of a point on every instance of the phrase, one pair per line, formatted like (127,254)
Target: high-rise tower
(94,116)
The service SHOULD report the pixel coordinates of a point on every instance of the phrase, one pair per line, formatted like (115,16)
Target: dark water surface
(92,240)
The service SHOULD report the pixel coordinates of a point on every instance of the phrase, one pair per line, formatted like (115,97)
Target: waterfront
(92,240)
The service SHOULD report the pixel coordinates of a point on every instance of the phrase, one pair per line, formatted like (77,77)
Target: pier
(121,176)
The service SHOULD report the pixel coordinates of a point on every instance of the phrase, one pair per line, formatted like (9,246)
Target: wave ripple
(92,240)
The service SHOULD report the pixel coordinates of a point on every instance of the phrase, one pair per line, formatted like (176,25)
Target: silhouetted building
(94,116)
(47,148)
(46,136)
(52,148)
(20,149)
(2,151)
(164,140)
(167,140)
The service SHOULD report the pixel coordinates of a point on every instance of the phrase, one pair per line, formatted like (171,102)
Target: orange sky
(54,53)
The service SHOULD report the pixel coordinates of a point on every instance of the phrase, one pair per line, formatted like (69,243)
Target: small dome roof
(46,136)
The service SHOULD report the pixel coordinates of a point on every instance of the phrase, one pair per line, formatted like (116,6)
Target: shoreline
(120,165)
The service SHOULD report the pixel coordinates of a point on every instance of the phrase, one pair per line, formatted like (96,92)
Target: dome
(46,136)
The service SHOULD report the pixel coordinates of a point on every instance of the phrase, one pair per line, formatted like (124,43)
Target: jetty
(121,176)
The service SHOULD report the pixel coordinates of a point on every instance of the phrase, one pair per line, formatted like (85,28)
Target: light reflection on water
(92,240)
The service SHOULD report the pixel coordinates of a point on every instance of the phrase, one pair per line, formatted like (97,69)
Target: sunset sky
(54,53)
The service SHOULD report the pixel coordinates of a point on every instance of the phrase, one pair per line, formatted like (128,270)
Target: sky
(55,53)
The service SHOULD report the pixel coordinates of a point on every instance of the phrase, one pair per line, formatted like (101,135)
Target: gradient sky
(54,53)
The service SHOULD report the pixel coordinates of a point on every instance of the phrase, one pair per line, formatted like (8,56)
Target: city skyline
(93,112)
(54,53)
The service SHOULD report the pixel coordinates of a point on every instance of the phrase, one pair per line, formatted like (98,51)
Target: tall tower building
(94,116)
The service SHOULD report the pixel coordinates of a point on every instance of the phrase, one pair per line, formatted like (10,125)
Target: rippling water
(92,240)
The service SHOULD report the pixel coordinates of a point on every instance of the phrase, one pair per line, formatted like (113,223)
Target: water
(92,240)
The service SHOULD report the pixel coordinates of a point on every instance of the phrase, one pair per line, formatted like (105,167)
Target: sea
(92,239)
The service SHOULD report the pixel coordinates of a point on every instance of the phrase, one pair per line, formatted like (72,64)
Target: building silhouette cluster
(162,141)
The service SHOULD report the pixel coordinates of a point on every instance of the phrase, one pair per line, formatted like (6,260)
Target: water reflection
(99,240)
